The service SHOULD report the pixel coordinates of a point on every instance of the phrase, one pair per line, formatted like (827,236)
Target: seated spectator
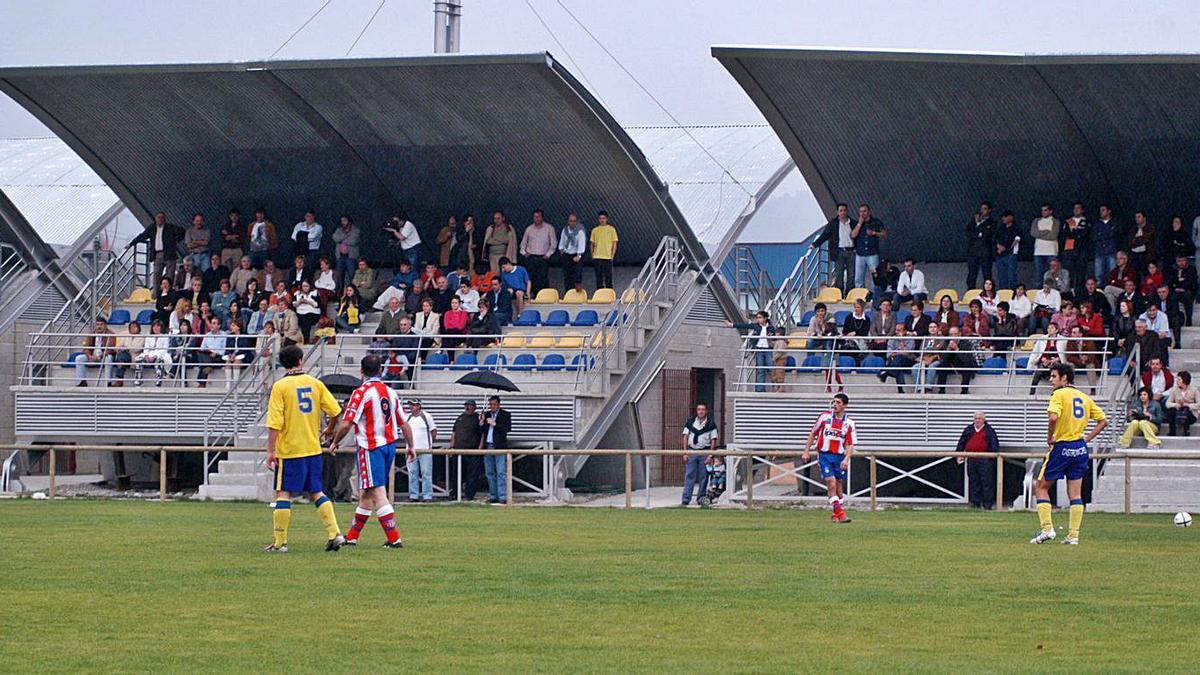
(348,316)
(184,275)
(236,312)
(976,323)
(269,277)
(156,351)
(1115,283)
(281,293)
(1184,285)
(1047,351)
(1065,318)
(243,275)
(1145,414)
(517,281)
(220,301)
(500,300)
(325,283)
(407,343)
(482,278)
(182,315)
(901,356)
(1151,280)
(308,308)
(1059,278)
(164,302)
(946,315)
(1082,354)
(884,280)
(1096,298)
(239,351)
(917,322)
(196,293)
(426,323)
(259,317)
(1021,309)
(215,274)
(414,296)
(1183,404)
(929,354)
(1046,304)
(287,323)
(1004,325)
(468,296)
(440,294)
(211,353)
(404,278)
(883,326)
(458,276)
(182,348)
(267,345)
(365,281)
(249,298)
(1123,325)
(858,325)
(1157,322)
(1158,379)
(298,274)
(389,323)
(483,328)
(911,285)
(325,329)
(988,299)
(263,242)
(956,358)
(1148,341)
(431,274)
(127,351)
(1169,307)
(454,322)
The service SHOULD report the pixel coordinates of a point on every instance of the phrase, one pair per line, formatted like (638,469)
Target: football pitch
(136,586)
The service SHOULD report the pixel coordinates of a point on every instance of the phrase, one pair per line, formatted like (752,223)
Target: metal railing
(11,264)
(751,283)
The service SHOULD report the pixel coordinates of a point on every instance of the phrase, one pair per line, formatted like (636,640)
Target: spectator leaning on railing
(758,341)
(979,437)
(162,240)
(839,232)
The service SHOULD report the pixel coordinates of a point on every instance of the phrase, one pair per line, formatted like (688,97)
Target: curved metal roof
(432,135)
(924,136)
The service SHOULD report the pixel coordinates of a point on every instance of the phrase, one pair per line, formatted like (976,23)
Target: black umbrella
(341,384)
(487,379)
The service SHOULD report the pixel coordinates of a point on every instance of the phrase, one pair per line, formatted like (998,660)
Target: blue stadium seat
(812,364)
(553,362)
(558,317)
(437,361)
(145,317)
(611,319)
(840,316)
(70,362)
(495,362)
(807,318)
(846,363)
(994,365)
(119,317)
(589,317)
(791,364)
(932,315)
(1116,364)
(529,317)
(872,365)
(1023,365)
(465,361)
(581,362)
(524,362)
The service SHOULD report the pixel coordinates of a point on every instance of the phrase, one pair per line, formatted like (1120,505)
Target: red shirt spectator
(1152,280)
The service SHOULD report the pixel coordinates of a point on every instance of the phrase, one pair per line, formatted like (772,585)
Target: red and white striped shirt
(375,411)
(834,433)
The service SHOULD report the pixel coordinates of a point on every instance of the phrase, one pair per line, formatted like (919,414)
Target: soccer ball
(1183,519)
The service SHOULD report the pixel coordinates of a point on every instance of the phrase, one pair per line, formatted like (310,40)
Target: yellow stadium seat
(969,296)
(513,341)
(633,295)
(1031,294)
(574,297)
(603,296)
(540,341)
(936,298)
(1004,295)
(140,296)
(856,294)
(797,343)
(599,340)
(1028,346)
(546,296)
(828,295)
(571,341)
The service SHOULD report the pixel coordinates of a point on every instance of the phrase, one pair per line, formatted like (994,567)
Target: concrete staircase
(1158,485)
(236,478)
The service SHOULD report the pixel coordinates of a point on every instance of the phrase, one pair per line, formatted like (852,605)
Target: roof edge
(811,53)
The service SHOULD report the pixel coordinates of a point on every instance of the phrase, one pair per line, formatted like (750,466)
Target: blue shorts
(299,474)
(375,465)
(1066,458)
(831,465)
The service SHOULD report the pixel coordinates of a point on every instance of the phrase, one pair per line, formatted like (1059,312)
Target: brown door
(678,387)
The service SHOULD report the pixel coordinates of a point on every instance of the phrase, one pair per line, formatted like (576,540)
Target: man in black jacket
(163,240)
(840,232)
(981,231)
(979,437)
(467,434)
(758,341)
(1183,283)
(497,422)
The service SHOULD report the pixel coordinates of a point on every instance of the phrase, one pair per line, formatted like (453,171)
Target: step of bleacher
(243,479)
(230,492)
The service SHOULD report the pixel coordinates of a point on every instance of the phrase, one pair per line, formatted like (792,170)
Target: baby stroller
(715,468)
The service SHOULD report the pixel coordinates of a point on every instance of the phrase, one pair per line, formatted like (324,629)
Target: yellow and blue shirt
(1074,408)
(294,410)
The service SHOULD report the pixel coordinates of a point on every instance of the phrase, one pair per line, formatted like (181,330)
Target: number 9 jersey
(374,410)
(294,410)
(1074,409)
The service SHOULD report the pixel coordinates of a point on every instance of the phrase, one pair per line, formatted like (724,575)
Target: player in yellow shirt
(294,446)
(1068,412)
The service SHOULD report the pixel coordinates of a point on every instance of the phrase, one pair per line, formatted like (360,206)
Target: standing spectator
(1143,242)
(1183,284)
(839,232)
(405,235)
(758,340)
(1021,308)
(196,241)
(346,240)
(162,239)
(307,235)
(537,247)
(497,423)
(1183,404)
(979,437)
(867,233)
(287,323)
(604,250)
(1047,351)
(1176,243)
(1005,242)
(981,237)
(1158,379)
(467,435)
(1145,415)
(1044,230)
(901,356)
(446,238)
(517,282)
(1073,244)
(467,244)
(572,246)
(420,468)
(699,441)
(233,236)
(365,280)
(211,353)
(1106,233)
(500,241)
(911,285)
(128,350)
(98,347)
(263,241)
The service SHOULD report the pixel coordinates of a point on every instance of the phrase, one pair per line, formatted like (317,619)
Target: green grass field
(133,586)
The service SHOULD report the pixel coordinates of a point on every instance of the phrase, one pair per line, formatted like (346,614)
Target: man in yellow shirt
(1068,413)
(294,446)
(604,250)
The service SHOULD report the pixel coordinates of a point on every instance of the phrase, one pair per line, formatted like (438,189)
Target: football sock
(387,520)
(325,513)
(361,516)
(836,503)
(281,517)
(1043,509)
(1076,514)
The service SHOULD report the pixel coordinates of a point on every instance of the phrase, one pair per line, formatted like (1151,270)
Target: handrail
(1122,394)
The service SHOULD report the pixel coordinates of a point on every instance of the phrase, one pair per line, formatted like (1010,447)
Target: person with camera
(404,234)
(1145,414)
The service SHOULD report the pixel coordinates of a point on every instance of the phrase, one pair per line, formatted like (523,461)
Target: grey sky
(665,42)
